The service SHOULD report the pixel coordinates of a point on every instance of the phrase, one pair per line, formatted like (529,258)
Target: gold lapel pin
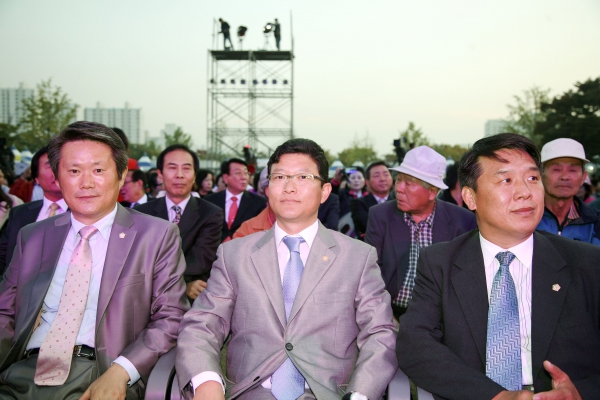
(556,287)
(325,258)
(122,235)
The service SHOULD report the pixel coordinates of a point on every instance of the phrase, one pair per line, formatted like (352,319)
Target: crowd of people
(478,279)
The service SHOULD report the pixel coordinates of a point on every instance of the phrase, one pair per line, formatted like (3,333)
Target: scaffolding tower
(250,101)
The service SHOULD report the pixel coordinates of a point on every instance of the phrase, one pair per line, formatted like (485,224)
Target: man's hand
(209,390)
(514,395)
(194,288)
(110,385)
(562,387)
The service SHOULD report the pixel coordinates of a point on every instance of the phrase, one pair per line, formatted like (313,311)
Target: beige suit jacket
(142,293)
(340,335)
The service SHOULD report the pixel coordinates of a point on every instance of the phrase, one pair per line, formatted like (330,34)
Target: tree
(178,137)
(46,113)
(453,151)
(575,115)
(413,136)
(150,148)
(360,150)
(527,112)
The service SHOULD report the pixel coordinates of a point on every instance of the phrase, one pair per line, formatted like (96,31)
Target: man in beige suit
(331,334)
(135,290)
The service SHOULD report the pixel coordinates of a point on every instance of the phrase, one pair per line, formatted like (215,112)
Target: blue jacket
(586,228)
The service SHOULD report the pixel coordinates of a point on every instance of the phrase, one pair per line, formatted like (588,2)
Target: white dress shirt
(86,335)
(381,199)
(520,270)
(283,255)
(37,193)
(170,204)
(142,200)
(62,207)
(228,202)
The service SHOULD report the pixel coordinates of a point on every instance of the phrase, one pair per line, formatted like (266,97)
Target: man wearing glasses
(133,190)
(306,307)
(238,204)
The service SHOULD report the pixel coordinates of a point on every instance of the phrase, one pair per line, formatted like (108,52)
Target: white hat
(563,147)
(425,164)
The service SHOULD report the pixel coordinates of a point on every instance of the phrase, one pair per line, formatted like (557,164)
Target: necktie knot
(54,206)
(505,258)
(234,199)
(177,210)
(293,243)
(87,232)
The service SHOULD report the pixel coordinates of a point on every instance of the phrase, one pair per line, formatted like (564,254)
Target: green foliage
(453,151)
(359,150)
(414,135)
(178,137)
(150,148)
(575,115)
(527,112)
(46,113)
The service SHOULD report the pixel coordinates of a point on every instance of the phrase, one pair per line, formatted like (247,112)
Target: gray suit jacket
(142,293)
(340,334)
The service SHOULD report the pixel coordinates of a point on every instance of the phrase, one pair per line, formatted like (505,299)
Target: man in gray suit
(134,298)
(306,307)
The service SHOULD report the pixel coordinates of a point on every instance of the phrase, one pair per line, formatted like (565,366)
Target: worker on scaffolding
(226,35)
(277,33)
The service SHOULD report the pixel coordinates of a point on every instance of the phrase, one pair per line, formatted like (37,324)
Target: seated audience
(204,181)
(134,188)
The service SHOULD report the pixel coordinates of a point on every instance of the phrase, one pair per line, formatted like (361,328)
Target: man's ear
(469,197)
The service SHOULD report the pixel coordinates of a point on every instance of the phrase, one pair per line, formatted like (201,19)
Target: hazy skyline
(360,67)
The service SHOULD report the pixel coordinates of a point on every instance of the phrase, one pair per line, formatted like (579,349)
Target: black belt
(78,351)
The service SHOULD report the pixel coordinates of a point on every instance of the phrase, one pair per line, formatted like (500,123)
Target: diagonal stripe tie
(503,347)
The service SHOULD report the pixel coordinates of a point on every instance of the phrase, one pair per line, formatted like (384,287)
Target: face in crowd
(178,174)
(356,181)
(237,178)
(563,177)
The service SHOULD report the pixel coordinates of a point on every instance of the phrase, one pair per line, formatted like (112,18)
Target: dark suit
(250,206)
(329,212)
(442,339)
(18,217)
(360,212)
(389,234)
(141,299)
(200,231)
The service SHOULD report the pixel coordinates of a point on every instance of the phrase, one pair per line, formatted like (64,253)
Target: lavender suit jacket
(142,293)
(340,333)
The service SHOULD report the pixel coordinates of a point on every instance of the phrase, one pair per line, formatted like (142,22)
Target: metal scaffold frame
(250,101)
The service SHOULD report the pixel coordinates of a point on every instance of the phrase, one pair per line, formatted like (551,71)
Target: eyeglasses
(299,179)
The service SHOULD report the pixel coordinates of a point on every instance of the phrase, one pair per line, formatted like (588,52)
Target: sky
(361,68)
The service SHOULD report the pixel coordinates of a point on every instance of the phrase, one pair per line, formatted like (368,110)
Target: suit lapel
(190,217)
(548,269)
(34,211)
(400,235)
(160,209)
(244,207)
(116,255)
(442,224)
(370,200)
(320,259)
(266,264)
(470,286)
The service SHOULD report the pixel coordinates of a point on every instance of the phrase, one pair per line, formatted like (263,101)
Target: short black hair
(35,161)
(161,157)
(374,164)
(123,136)
(302,146)
(139,175)
(451,176)
(201,176)
(153,180)
(91,131)
(469,169)
(226,164)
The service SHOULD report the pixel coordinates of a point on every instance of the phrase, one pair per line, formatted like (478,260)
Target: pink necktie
(53,208)
(232,212)
(54,361)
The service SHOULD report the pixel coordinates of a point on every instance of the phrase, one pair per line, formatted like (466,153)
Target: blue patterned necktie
(177,218)
(287,383)
(503,348)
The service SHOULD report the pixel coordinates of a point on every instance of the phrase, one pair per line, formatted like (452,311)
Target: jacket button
(289,347)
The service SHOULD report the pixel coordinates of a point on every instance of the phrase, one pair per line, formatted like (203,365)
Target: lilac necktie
(287,383)
(54,361)
(503,348)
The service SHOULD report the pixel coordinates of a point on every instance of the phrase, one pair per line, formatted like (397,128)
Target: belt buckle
(77,350)
(528,387)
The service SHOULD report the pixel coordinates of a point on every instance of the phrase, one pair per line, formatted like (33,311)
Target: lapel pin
(122,235)
(556,287)
(325,258)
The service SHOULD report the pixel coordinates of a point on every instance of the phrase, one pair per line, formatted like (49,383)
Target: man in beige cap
(563,162)
(398,230)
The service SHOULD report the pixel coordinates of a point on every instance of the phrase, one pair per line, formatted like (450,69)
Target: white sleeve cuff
(134,375)
(205,377)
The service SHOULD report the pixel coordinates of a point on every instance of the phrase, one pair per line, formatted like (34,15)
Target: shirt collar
(229,195)
(104,225)
(523,251)
(182,204)
(62,203)
(429,220)
(380,198)
(308,234)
